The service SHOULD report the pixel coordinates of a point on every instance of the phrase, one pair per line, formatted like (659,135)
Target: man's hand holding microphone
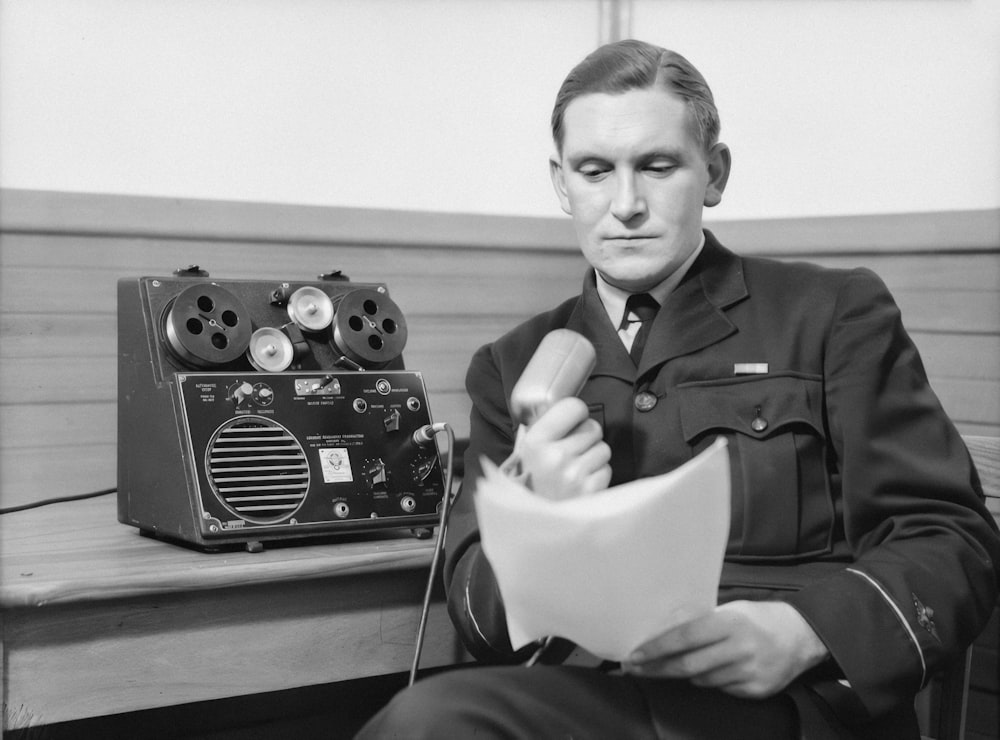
(560,451)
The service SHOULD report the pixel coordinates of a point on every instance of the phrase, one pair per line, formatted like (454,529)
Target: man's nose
(629,200)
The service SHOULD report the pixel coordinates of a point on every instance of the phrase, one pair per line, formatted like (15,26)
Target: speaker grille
(257,469)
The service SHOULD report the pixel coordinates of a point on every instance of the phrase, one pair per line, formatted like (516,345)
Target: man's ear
(720,161)
(559,183)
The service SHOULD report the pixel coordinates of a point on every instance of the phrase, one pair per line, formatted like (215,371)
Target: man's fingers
(594,467)
(562,418)
(696,633)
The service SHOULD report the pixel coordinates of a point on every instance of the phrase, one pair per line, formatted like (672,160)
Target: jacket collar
(693,317)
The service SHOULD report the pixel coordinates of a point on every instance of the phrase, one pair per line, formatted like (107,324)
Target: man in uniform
(860,556)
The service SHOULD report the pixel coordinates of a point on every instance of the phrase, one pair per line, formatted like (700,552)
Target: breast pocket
(782,505)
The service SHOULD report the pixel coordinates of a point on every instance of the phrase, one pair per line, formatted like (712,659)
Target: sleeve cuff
(867,636)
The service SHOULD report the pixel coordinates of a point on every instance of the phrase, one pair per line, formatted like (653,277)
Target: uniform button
(759,423)
(645,401)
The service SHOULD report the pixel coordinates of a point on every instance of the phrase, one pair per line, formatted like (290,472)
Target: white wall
(847,106)
(831,106)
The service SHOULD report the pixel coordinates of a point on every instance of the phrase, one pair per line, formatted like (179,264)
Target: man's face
(634,178)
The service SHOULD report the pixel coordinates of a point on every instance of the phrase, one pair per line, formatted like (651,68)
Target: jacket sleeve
(924,579)
(474,601)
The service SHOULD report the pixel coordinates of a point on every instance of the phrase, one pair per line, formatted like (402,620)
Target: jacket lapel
(590,319)
(693,316)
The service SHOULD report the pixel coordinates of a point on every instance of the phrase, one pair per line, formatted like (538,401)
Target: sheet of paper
(612,570)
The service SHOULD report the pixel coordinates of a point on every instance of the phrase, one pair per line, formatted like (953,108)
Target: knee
(425,710)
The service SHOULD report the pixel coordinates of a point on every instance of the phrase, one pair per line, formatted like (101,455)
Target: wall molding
(97,214)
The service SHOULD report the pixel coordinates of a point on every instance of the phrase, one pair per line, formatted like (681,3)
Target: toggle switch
(391,422)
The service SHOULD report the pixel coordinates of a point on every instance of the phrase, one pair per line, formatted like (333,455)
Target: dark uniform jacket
(854,498)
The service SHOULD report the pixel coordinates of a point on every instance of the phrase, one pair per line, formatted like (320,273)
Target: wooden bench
(97,620)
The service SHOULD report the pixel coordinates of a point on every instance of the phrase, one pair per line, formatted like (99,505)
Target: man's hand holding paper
(751,649)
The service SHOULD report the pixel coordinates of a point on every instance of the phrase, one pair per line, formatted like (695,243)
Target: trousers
(575,702)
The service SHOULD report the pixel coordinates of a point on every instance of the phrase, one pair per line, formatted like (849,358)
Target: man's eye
(660,169)
(593,172)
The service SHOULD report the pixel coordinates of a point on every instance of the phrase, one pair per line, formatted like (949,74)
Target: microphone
(559,368)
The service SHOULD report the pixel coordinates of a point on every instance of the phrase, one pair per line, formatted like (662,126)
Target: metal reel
(310,308)
(270,350)
(368,328)
(206,325)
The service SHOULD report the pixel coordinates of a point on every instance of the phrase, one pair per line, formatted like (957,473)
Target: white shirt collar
(614,298)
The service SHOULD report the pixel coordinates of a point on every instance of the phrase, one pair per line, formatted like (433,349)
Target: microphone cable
(59,500)
(424,436)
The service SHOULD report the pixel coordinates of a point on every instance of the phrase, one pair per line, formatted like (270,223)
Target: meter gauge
(422,467)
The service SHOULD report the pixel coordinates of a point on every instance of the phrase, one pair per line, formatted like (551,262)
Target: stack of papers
(611,570)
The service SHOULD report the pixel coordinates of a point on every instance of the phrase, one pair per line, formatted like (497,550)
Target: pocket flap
(757,407)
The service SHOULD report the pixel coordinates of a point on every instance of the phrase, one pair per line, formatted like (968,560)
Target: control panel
(287,449)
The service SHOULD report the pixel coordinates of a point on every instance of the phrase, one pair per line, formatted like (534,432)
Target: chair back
(948,713)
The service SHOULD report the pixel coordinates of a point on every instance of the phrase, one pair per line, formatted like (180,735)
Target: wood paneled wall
(460,280)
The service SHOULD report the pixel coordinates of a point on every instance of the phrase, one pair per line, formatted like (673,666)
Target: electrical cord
(59,500)
(446,501)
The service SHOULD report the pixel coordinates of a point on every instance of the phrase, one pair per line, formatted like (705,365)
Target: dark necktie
(645,307)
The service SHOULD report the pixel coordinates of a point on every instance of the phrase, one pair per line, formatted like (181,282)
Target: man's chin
(633,282)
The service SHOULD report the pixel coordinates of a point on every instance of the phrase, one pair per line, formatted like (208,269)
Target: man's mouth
(630,238)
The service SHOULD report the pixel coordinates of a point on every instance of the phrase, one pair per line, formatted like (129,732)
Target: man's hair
(636,65)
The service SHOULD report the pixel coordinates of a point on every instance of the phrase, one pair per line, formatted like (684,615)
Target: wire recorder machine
(253,411)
